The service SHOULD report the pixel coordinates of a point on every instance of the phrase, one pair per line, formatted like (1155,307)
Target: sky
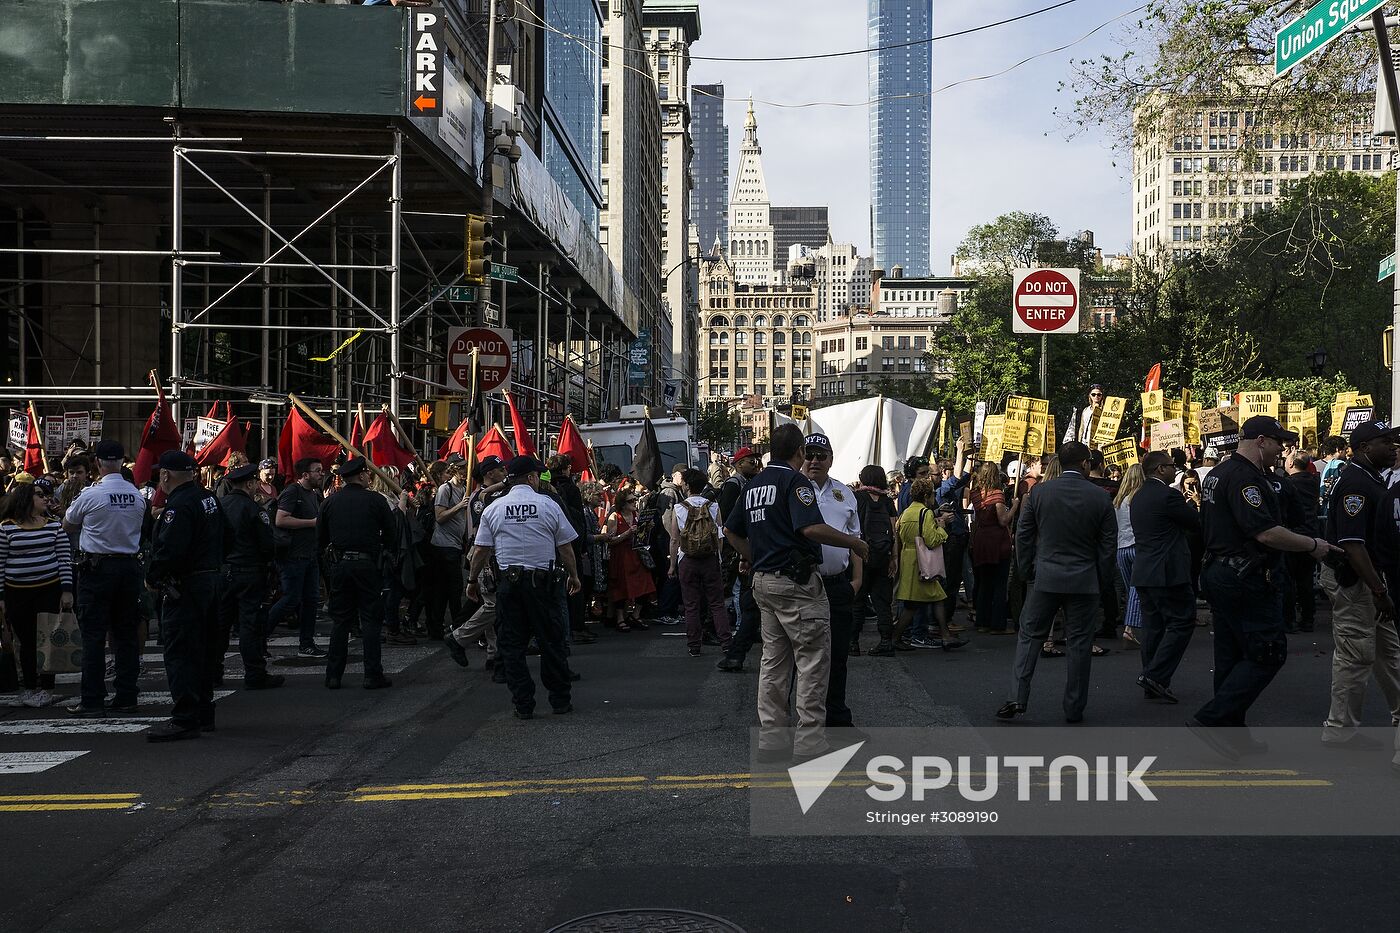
(998,145)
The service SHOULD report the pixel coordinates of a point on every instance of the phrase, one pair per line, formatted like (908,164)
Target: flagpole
(43,454)
(335,435)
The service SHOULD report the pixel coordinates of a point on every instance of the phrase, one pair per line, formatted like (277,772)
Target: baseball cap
(240,474)
(1264,426)
(176,460)
(110,450)
(819,440)
(486,465)
(524,466)
(1372,430)
(743,453)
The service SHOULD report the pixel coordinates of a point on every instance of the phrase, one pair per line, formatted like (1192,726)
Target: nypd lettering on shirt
(757,499)
(124,500)
(521,511)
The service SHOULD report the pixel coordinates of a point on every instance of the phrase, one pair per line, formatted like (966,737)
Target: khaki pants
(796,638)
(1363,646)
(483,621)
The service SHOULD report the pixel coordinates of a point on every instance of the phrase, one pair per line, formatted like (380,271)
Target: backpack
(427,518)
(699,538)
(281,537)
(877,534)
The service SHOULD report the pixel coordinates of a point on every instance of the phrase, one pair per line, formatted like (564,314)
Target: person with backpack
(876,512)
(695,561)
(749,620)
(842,570)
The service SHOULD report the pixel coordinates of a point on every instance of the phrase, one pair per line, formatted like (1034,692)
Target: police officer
(779,529)
(186,555)
(1245,540)
(529,538)
(1363,613)
(248,553)
(355,528)
(748,629)
(841,571)
(108,516)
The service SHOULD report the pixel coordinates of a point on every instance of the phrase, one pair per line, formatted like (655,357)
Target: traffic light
(442,415)
(478,268)
(425,413)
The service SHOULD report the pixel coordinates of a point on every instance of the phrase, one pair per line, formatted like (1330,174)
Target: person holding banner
(1082,426)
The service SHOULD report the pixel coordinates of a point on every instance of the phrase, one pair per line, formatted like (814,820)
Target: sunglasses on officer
(817,454)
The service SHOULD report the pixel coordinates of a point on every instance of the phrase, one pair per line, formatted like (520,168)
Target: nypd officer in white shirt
(528,537)
(840,570)
(108,516)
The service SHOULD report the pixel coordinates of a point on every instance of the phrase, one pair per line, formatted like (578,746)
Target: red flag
(1154,378)
(232,438)
(160,434)
(493,444)
(571,444)
(517,427)
(457,443)
(302,439)
(357,430)
(33,447)
(385,447)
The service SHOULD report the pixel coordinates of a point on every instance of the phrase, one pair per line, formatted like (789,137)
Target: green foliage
(984,360)
(718,427)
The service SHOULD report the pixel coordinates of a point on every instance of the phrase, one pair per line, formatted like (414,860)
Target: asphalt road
(429,807)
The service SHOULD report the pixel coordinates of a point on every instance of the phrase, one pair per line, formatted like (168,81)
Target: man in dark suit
(1162,574)
(1066,541)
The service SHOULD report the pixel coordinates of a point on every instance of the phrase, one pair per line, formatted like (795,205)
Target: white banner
(206,429)
(19,429)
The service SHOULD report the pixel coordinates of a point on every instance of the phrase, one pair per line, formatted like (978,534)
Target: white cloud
(997,144)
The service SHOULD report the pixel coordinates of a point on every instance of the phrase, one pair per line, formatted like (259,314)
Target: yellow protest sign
(1152,406)
(1013,424)
(1253,404)
(1052,437)
(1307,427)
(1362,401)
(1223,399)
(1110,419)
(1122,452)
(1038,427)
(1193,424)
(991,439)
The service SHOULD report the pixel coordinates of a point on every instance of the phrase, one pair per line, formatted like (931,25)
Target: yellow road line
(37,798)
(394,788)
(35,807)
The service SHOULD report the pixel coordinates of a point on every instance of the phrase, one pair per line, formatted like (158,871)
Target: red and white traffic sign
(1045,301)
(494,347)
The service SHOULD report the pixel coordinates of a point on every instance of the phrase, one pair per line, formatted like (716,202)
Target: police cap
(243,474)
(487,465)
(110,450)
(177,461)
(524,466)
(351,467)
(1264,426)
(1372,430)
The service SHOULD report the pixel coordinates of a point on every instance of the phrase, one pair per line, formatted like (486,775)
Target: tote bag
(60,645)
(931,565)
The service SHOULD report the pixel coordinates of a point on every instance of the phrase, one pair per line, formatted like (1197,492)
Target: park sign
(1310,33)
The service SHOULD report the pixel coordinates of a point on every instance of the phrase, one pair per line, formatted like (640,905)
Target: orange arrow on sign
(425,103)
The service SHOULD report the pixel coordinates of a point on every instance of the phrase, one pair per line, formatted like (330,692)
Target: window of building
(861,343)
(887,343)
(887,364)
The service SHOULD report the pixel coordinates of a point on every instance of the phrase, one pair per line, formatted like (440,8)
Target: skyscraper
(710,197)
(570,120)
(899,133)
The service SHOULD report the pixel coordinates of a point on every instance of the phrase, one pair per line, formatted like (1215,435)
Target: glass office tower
(573,78)
(899,133)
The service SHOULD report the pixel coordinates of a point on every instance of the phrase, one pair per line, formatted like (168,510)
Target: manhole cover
(647,920)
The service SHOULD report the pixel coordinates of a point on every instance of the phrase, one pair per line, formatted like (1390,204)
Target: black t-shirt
(300,503)
(1238,501)
(1352,506)
(777,504)
(1385,552)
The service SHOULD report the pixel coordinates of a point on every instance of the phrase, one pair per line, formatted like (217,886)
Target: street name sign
(1387,268)
(505,273)
(1310,33)
(465,293)
(493,358)
(1045,301)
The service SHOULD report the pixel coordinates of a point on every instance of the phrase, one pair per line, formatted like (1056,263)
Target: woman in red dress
(628,580)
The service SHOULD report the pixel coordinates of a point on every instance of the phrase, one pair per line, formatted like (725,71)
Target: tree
(719,426)
(1019,240)
(982,359)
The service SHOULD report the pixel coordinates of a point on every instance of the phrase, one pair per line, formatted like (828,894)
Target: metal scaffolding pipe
(101,252)
(395,276)
(177,272)
(285,265)
(294,155)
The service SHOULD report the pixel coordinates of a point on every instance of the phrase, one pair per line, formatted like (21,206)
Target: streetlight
(1317,361)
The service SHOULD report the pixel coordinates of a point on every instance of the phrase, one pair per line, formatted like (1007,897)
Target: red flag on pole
(357,430)
(232,438)
(457,443)
(302,439)
(1154,378)
(572,445)
(385,447)
(33,447)
(160,434)
(493,444)
(517,426)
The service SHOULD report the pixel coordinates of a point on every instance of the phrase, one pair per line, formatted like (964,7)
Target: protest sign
(205,430)
(1354,418)
(1193,424)
(19,429)
(1109,420)
(1168,434)
(1122,452)
(1307,427)
(75,428)
(965,433)
(991,439)
(1220,428)
(1013,424)
(1152,406)
(1259,403)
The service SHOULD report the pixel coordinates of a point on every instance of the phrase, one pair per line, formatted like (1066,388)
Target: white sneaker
(39,699)
(19,699)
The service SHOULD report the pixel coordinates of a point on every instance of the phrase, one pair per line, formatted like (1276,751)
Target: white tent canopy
(873,430)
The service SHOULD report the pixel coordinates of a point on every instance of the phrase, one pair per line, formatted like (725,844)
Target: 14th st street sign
(1310,33)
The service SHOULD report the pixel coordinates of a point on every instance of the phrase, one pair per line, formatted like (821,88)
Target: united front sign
(1045,301)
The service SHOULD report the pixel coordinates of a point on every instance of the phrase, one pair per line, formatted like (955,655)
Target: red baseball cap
(744,452)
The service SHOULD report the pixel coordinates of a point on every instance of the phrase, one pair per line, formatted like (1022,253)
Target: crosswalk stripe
(68,726)
(34,762)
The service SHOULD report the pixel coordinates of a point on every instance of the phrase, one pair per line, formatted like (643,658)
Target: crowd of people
(1058,552)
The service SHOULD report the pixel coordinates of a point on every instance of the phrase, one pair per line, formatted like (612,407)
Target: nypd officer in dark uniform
(1245,539)
(186,558)
(778,527)
(248,553)
(355,528)
(530,540)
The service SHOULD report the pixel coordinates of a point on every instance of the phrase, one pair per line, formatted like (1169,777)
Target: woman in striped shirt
(36,575)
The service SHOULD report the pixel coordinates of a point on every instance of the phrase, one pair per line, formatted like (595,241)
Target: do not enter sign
(1045,301)
(493,356)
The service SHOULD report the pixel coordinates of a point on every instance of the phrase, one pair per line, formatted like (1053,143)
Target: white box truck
(616,442)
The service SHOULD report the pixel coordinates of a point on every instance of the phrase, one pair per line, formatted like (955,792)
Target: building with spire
(751,242)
